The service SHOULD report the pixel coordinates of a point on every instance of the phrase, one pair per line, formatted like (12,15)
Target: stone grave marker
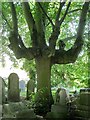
(83,107)
(2,91)
(13,88)
(30,88)
(62,97)
(85,96)
(22,85)
(0,111)
(59,109)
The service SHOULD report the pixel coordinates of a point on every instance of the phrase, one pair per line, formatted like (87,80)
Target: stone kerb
(13,88)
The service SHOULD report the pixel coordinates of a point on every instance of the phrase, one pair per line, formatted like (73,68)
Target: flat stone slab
(26,114)
(83,114)
(83,107)
(80,118)
(56,115)
(59,108)
(10,110)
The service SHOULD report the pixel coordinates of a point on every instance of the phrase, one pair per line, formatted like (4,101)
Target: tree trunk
(43,68)
(43,98)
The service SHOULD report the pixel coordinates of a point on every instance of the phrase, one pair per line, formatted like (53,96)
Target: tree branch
(16,43)
(30,22)
(14,17)
(14,33)
(46,14)
(62,19)
(82,22)
(59,11)
(19,37)
(20,42)
(3,16)
(56,31)
(18,48)
(71,37)
(28,15)
(70,56)
(73,11)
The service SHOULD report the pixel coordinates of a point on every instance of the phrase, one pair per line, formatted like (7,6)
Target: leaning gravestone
(22,85)
(30,88)
(13,88)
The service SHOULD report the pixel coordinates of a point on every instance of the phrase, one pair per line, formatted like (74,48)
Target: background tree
(46,49)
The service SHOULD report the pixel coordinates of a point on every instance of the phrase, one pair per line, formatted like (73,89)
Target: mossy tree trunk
(43,66)
(43,97)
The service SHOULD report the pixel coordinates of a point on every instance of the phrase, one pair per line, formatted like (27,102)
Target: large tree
(43,49)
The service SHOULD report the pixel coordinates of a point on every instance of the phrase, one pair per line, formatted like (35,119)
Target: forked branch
(70,56)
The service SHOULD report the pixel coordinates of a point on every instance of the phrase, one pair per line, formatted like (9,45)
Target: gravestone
(0,111)
(13,88)
(59,109)
(58,112)
(61,96)
(83,108)
(57,95)
(22,85)
(30,88)
(85,96)
(2,91)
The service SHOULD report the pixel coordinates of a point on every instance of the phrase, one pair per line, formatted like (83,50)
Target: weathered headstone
(13,88)
(83,108)
(57,95)
(2,91)
(59,109)
(22,85)
(0,111)
(30,88)
(61,96)
(85,96)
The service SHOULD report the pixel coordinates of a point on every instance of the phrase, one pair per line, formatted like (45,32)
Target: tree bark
(43,72)
(44,96)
